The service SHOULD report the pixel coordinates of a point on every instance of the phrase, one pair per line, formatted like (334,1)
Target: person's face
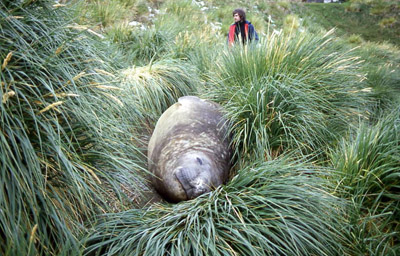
(236,17)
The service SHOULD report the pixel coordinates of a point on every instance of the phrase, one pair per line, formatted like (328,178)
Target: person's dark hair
(241,13)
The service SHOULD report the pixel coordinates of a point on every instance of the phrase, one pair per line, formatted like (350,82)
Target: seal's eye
(199,160)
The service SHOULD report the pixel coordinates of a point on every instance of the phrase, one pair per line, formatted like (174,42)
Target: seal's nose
(200,186)
(193,182)
(185,178)
(195,192)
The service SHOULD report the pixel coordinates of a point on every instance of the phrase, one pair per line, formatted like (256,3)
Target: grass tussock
(289,91)
(273,208)
(157,86)
(58,151)
(381,65)
(368,170)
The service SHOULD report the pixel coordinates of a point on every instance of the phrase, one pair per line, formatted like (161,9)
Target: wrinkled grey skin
(189,151)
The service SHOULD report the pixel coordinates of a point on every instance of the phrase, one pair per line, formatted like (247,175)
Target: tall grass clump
(383,81)
(188,27)
(368,170)
(121,33)
(179,17)
(381,66)
(157,86)
(272,208)
(291,22)
(142,45)
(187,44)
(184,9)
(106,13)
(288,91)
(127,23)
(63,136)
(203,59)
(171,36)
(145,46)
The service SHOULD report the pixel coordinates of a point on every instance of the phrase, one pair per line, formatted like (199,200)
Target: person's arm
(253,33)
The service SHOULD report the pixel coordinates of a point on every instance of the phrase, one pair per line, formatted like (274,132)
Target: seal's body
(189,151)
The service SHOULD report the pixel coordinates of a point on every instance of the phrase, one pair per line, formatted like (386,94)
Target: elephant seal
(189,150)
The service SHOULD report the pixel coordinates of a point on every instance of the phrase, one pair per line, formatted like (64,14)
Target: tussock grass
(171,36)
(204,60)
(369,163)
(184,9)
(57,150)
(291,22)
(157,86)
(368,170)
(187,44)
(290,91)
(147,46)
(76,115)
(381,66)
(185,36)
(272,208)
(107,13)
(141,46)
(121,33)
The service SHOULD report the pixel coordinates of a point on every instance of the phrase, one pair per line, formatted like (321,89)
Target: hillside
(375,23)
(313,110)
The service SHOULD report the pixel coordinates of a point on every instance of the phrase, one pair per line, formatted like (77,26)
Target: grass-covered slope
(314,120)
(376,21)
(373,28)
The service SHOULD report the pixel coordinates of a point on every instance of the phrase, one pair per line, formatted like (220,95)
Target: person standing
(241,30)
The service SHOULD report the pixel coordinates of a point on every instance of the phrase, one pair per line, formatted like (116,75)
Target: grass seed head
(6,60)
(51,106)
(100,71)
(7,95)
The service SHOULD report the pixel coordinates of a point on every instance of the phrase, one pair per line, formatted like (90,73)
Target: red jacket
(231,34)
(249,31)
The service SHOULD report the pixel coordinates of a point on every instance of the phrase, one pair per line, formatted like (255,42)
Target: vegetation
(290,91)
(64,132)
(367,168)
(264,209)
(374,20)
(313,113)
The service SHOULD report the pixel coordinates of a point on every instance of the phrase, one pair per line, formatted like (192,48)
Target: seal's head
(194,173)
